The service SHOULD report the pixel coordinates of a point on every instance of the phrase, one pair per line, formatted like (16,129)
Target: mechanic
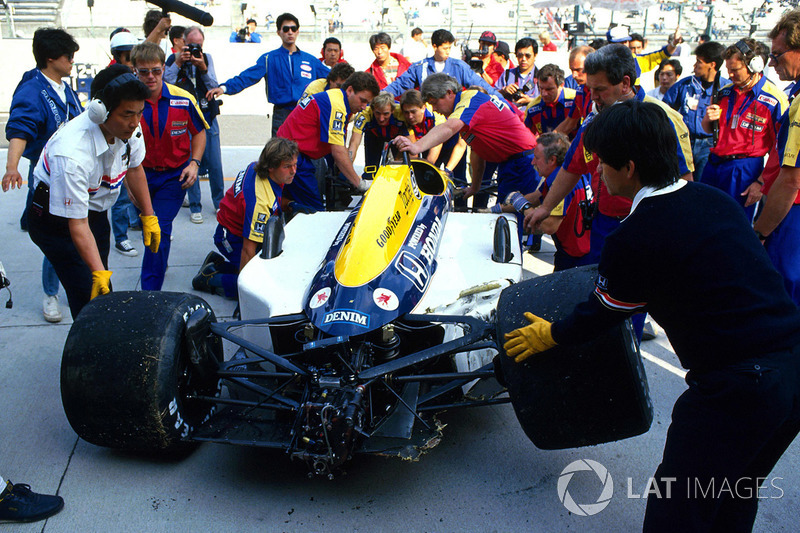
(286,72)
(489,126)
(175,137)
(419,121)
(77,180)
(440,61)
(387,65)
(691,96)
(518,85)
(250,201)
(319,127)
(336,77)
(18,503)
(192,69)
(748,114)
(778,225)
(583,99)
(377,125)
(687,255)
(332,52)
(553,104)
(41,104)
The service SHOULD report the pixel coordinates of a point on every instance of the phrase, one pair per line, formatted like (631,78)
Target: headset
(753,62)
(96,109)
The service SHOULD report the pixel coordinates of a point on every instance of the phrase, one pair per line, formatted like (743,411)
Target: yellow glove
(101,283)
(151,232)
(533,338)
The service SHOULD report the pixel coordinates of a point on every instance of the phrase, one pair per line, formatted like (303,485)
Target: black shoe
(649,332)
(212,258)
(18,503)
(202,281)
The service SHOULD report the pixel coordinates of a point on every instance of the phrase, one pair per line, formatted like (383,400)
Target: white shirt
(646,192)
(656,93)
(59,88)
(83,171)
(415,50)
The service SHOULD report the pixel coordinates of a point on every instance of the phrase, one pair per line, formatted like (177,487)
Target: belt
(693,137)
(158,169)
(713,158)
(521,154)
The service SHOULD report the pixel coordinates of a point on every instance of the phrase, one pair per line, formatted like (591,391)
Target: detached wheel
(129,368)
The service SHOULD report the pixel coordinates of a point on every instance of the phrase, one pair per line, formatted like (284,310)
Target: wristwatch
(196,161)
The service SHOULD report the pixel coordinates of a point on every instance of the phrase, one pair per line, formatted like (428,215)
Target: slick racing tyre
(573,396)
(128,370)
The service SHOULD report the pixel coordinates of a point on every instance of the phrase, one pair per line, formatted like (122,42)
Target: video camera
(242,35)
(474,59)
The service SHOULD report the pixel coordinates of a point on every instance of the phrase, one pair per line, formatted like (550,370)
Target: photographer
(518,85)
(193,71)
(246,34)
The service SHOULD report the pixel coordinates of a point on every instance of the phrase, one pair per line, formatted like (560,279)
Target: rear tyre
(126,372)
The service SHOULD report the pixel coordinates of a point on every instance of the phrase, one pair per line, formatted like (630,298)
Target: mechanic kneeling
(687,255)
(243,212)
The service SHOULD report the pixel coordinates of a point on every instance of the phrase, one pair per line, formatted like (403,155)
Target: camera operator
(490,68)
(193,71)
(246,34)
(518,85)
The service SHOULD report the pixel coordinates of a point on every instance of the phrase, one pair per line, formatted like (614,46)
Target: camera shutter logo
(585,509)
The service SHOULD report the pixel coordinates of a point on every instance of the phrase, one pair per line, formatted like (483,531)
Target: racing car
(357,328)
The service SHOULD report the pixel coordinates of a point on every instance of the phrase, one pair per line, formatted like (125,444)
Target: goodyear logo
(347,316)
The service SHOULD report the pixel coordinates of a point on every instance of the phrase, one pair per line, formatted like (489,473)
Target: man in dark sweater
(687,255)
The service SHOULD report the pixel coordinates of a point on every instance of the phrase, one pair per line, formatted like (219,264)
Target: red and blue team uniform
(541,117)
(417,131)
(582,107)
(572,242)
(243,214)
(748,130)
(374,136)
(318,122)
(168,126)
(783,244)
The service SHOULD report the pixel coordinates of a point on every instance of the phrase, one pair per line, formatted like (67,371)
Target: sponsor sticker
(262,217)
(385,299)
(319,298)
(349,316)
(305,101)
(179,103)
(305,66)
(305,75)
(175,133)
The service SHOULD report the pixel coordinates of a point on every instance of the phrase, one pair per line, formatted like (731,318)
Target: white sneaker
(51,309)
(197,218)
(185,202)
(126,248)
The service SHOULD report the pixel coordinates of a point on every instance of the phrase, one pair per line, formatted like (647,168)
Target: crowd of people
(544,138)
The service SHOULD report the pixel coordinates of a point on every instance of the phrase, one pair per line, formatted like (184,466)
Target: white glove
(363,185)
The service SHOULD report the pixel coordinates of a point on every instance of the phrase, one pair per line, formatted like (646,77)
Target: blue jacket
(686,94)
(285,75)
(416,74)
(37,112)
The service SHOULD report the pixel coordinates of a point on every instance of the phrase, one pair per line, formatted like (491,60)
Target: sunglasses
(521,55)
(287,29)
(776,57)
(144,72)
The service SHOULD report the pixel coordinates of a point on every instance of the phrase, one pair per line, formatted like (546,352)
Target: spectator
(18,503)
(286,74)
(491,67)
(387,65)
(377,125)
(247,34)
(193,71)
(42,103)
(77,180)
(175,137)
(335,79)
(503,55)
(318,125)
(645,62)
(121,44)
(416,49)
(250,201)
(176,39)
(703,38)
(491,128)
(692,95)
(554,102)
(666,75)
(440,61)
(547,44)
(156,26)
(332,52)
(749,114)
(518,84)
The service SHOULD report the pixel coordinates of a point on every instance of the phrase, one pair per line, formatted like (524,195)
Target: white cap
(618,34)
(122,41)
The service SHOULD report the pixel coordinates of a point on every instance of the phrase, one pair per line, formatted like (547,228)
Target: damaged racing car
(357,329)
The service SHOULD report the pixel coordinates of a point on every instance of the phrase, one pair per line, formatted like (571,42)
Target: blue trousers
(167,197)
(304,189)
(123,215)
(734,176)
(230,246)
(516,174)
(49,275)
(211,163)
(701,148)
(783,247)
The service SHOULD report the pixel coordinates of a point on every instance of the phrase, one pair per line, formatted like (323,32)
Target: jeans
(700,150)
(123,215)
(211,163)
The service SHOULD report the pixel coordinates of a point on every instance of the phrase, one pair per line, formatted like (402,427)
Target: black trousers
(728,430)
(51,234)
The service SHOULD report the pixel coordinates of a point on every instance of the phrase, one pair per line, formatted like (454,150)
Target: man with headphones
(748,111)
(78,178)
